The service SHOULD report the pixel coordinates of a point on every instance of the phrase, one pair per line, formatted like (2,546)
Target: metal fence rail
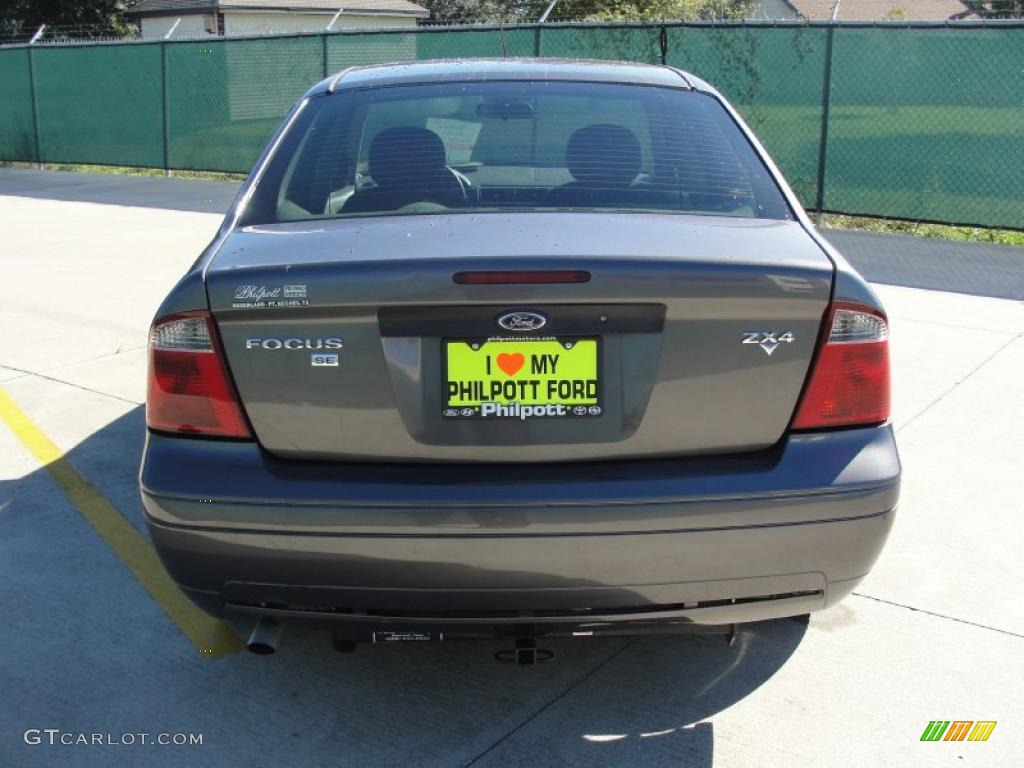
(920,121)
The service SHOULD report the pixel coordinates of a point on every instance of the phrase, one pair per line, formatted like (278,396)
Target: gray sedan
(517,348)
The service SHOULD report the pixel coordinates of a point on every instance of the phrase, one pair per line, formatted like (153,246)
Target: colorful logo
(958,730)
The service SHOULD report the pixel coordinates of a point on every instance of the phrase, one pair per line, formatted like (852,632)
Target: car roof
(480,70)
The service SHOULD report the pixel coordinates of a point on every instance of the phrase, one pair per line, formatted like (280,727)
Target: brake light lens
(850,381)
(522,277)
(189,388)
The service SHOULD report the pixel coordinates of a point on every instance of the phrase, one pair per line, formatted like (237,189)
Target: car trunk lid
(350,339)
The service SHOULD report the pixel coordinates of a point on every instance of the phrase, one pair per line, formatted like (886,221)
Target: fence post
(663,44)
(536,41)
(826,104)
(35,112)
(164,106)
(327,65)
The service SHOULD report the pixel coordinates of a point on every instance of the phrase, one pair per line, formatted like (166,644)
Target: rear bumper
(707,541)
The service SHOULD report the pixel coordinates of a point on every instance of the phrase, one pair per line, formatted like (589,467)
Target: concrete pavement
(935,632)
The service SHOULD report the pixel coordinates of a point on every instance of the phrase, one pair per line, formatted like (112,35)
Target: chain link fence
(916,121)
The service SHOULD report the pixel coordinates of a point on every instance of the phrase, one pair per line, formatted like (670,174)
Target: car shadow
(603,700)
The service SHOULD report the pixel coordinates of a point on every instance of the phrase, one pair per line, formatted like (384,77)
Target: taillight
(850,381)
(189,388)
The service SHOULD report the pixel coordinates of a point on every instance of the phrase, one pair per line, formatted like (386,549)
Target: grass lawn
(923,229)
(128,170)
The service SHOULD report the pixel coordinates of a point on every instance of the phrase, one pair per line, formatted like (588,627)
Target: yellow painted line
(210,637)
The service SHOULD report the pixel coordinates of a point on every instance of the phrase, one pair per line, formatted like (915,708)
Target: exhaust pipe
(265,636)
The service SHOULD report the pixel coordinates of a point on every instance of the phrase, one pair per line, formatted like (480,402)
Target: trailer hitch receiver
(525,653)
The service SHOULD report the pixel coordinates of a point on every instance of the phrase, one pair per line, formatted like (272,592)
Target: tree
(470,11)
(25,16)
(653,10)
(526,11)
(997,9)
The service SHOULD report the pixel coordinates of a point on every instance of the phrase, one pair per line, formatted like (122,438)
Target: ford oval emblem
(522,321)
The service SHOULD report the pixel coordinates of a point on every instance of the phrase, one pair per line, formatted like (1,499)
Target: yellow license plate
(521,378)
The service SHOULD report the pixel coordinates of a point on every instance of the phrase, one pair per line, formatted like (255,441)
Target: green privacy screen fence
(919,121)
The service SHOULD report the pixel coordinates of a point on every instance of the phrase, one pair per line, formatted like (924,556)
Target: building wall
(155,27)
(292,23)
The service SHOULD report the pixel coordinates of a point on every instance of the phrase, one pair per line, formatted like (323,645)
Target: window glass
(499,146)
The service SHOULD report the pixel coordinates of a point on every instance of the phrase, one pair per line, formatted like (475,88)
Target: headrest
(603,154)
(406,155)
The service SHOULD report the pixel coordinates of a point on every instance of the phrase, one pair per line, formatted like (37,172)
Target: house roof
(357,7)
(873,10)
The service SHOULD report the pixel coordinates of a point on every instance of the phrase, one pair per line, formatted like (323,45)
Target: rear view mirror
(505,110)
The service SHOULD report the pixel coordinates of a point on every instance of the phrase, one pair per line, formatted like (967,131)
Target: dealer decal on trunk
(261,297)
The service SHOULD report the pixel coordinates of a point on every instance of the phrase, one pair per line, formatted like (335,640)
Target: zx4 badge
(768,340)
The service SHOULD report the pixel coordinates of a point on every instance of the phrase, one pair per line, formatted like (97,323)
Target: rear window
(508,146)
